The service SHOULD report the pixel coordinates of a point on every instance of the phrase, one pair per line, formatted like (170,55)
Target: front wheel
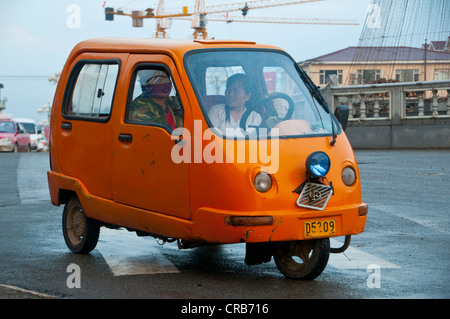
(80,232)
(305,259)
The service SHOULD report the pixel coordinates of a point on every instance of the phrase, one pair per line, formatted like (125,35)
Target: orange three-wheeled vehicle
(202,142)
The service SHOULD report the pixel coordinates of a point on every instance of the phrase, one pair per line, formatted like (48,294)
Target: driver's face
(235,95)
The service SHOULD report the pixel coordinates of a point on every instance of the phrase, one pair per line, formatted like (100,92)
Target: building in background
(384,64)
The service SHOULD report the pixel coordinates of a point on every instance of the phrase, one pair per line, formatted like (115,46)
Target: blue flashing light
(318,164)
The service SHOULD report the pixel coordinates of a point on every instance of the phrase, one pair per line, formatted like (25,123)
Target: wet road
(404,252)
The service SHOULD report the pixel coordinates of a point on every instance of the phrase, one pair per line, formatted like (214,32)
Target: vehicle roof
(172,47)
(154,44)
(23,120)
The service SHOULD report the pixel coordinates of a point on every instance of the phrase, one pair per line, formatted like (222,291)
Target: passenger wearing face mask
(155,104)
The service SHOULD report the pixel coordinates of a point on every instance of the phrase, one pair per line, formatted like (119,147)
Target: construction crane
(198,17)
(198,20)
(244,7)
(137,17)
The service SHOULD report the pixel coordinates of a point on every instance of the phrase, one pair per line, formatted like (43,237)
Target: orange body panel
(135,183)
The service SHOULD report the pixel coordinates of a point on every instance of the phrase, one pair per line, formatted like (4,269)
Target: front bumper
(6,147)
(216,226)
(209,225)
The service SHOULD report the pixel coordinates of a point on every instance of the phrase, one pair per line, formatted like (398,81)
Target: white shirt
(217,117)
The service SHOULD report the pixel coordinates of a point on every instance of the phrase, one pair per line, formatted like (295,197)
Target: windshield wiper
(315,93)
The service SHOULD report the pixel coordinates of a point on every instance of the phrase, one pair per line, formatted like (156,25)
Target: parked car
(13,137)
(31,128)
(42,145)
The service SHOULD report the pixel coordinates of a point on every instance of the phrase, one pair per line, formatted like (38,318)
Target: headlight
(318,164)
(348,176)
(6,140)
(262,182)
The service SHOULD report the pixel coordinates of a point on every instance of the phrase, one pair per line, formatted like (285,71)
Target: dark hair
(246,86)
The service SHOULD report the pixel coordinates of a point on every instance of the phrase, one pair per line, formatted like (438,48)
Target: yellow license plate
(320,228)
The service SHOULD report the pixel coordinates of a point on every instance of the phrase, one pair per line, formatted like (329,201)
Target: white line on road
(127,254)
(354,258)
(32,179)
(26,291)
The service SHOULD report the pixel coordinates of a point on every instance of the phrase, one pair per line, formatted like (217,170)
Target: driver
(226,117)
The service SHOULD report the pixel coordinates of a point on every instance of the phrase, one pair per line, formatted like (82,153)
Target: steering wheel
(264,106)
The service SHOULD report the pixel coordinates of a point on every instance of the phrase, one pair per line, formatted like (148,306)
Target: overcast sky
(37,36)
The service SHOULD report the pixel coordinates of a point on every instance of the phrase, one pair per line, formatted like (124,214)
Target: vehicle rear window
(90,92)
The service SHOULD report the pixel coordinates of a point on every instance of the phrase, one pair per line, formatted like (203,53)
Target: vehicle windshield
(29,128)
(256,93)
(6,127)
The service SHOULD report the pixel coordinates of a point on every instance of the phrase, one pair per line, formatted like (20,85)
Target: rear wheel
(80,232)
(305,259)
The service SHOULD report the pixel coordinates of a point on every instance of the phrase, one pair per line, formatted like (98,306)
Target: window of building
(330,76)
(368,76)
(407,75)
(442,74)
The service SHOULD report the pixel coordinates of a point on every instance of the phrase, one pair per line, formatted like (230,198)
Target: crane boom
(245,6)
(230,19)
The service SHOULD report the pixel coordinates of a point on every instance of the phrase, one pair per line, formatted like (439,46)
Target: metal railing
(392,102)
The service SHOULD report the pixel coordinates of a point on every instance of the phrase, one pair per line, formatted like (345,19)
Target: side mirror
(341,113)
(19,131)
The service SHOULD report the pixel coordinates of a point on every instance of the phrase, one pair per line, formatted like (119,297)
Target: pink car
(13,137)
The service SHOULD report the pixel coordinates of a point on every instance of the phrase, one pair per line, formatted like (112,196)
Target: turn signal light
(363,210)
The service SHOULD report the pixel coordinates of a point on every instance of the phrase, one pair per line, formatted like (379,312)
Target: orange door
(145,175)
(83,136)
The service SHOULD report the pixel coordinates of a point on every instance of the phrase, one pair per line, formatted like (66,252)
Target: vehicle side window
(92,92)
(154,99)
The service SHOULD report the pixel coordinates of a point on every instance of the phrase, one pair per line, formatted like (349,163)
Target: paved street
(404,252)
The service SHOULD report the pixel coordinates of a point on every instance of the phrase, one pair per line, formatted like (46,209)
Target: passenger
(226,117)
(155,104)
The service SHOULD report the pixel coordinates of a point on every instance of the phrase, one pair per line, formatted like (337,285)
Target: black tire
(304,260)
(80,232)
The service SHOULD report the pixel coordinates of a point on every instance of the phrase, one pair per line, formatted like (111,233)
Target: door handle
(66,126)
(125,137)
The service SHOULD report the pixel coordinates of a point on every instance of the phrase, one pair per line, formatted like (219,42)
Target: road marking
(354,258)
(32,178)
(26,291)
(127,254)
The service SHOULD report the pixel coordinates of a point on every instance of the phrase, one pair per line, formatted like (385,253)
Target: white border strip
(27,291)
